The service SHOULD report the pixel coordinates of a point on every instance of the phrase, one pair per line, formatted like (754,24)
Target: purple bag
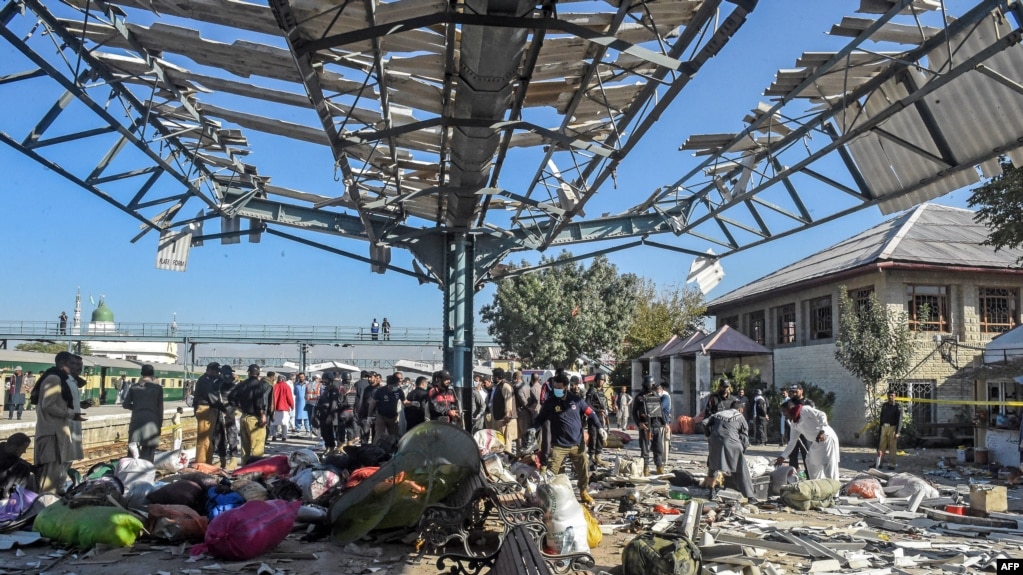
(19,502)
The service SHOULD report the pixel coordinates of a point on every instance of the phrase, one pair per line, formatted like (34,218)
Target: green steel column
(458,316)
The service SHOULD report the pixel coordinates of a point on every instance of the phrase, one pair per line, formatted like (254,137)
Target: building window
(756,323)
(786,322)
(861,298)
(997,310)
(928,308)
(731,321)
(1000,392)
(820,318)
(921,412)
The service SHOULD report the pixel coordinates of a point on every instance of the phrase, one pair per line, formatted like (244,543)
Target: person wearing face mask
(566,410)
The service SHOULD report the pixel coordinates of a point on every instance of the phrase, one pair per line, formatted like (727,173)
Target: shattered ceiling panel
(910,108)
(504,118)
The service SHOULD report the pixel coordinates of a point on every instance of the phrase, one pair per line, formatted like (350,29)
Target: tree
(50,347)
(999,205)
(677,310)
(743,375)
(554,315)
(874,343)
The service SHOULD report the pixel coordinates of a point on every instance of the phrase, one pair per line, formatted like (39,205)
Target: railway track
(99,453)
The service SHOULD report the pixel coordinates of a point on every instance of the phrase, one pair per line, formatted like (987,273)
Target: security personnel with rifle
(649,410)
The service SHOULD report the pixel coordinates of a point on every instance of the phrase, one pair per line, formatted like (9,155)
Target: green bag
(811,494)
(86,526)
(661,554)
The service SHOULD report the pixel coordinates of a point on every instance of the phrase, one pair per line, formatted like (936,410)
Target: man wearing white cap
(15,396)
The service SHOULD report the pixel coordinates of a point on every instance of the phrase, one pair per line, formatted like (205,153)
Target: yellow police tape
(959,401)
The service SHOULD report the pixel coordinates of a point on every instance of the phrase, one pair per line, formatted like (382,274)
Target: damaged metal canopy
(497,118)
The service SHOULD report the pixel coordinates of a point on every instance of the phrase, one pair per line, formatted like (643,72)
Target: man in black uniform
(721,400)
(648,411)
(597,400)
(891,426)
(415,410)
(203,398)
(225,434)
(758,418)
(328,411)
(252,397)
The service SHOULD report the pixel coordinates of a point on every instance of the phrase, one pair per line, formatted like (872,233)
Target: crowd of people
(560,419)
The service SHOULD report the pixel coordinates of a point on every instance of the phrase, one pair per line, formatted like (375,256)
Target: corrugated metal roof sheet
(971,116)
(930,234)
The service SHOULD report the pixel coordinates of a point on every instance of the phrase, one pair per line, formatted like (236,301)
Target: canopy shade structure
(470,130)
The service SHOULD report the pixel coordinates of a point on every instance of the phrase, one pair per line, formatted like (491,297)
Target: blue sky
(58,237)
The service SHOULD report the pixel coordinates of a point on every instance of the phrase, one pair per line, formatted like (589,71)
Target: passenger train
(103,374)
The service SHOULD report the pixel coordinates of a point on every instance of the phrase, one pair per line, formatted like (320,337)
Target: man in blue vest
(565,411)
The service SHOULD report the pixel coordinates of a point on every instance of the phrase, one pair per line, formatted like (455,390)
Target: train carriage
(105,376)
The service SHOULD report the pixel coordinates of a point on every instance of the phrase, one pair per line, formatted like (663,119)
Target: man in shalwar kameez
(822,453)
(727,440)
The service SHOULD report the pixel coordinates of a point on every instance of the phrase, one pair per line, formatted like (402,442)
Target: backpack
(652,405)
(661,554)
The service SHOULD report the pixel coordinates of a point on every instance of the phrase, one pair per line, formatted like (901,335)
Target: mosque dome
(102,313)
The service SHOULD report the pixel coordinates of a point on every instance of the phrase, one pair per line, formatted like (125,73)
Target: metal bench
(467,509)
(510,502)
(458,515)
(518,554)
(509,499)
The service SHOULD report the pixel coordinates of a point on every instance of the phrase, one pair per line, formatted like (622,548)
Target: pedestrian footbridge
(195,333)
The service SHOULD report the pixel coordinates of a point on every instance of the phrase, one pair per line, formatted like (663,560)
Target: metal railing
(241,333)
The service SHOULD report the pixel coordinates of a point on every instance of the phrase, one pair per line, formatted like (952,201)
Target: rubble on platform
(950,519)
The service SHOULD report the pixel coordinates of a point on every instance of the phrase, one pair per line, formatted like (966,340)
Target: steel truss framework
(423,103)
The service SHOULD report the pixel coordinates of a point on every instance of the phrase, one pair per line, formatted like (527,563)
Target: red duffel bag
(250,530)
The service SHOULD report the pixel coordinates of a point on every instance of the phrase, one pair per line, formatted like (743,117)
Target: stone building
(928,262)
(692,364)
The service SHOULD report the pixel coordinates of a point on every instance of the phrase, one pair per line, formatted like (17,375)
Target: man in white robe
(822,453)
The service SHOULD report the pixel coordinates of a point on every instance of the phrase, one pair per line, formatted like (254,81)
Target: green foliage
(999,205)
(552,316)
(50,348)
(874,343)
(742,376)
(660,314)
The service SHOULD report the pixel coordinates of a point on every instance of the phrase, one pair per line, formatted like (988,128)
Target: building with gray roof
(930,262)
